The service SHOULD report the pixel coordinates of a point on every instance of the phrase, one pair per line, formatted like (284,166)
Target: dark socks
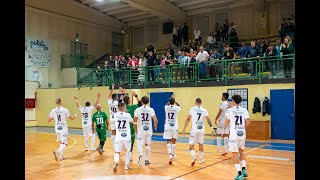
(239,173)
(101,144)
(243,168)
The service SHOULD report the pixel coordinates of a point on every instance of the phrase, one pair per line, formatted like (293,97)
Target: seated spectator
(243,51)
(253,53)
(271,53)
(233,39)
(211,40)
(229,54)
(287,49)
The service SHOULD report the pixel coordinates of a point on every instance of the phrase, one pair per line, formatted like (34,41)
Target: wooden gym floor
(265,160)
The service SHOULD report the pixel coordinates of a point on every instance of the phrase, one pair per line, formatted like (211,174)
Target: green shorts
(102,134)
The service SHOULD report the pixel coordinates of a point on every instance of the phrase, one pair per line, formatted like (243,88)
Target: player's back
(144,114)
(223,107)
(172,112)
(237,116)
(198,115)
(60,115)
(86,115)
(122,120)
(113,107)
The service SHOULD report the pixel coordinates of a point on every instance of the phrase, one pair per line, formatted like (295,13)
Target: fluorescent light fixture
(99,0)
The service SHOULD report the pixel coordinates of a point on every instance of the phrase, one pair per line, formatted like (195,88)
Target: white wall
(69,77)
(30,89)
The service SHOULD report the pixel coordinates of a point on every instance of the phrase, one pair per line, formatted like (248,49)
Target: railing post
(259,68)
(168,67)
(145,77)
(225,72)
(130,78)
(91,78)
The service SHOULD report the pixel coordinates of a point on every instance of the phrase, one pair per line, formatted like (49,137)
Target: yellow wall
(211,97)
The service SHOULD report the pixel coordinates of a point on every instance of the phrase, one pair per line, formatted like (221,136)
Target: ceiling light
(99,0)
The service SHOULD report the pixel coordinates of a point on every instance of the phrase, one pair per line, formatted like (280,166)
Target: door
(157,101)
(282,114)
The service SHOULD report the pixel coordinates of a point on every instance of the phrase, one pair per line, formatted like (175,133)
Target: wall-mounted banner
(37,52)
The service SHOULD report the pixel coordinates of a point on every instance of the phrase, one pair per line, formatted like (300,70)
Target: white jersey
(86,115)
(171,116)
(60,115)
(144,123)
(122,120)
(198,115)
(223,106)
(113,107)
(237,116)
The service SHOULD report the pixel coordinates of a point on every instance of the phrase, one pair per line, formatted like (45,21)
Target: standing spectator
(134,65)
(216,66)
(253,53)
(290,31)
(234,40)
(175,67)
(287,49)
(150,48)
(111,63)
(265,46)
(232,26)
(202,57)
(243,51)
(106,72)
(157,63)
(163,68)
(170,50)
(271,54)
(116,74)
(211,40)
(220,37)
(142,64)
(123,74)
(185,48)
(185,31)
(197,37)
(191,61)
(282,29)
(278,49)
(99,76)
(150,63)
(193,46)
(225,28)
(175,35)
(182,62)
(229,54)
(168,55)
(128,54)
(179,36)
(216,27)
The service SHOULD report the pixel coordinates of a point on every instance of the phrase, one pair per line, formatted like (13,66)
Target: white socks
(226,145)
(238,168)
(112,138)
(93,139)
(147,149)
(58,137)
(173,148)
(86,141)
(139,147)
(219,142)
(193,153)
(201,154)
(169,148)
(128,156)
(116,158)
(61,148)
(243,163)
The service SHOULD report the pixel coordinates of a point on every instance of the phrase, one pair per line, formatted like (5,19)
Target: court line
(75,142)
(48,134)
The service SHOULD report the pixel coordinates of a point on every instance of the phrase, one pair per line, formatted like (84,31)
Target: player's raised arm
(186,123)
(77,103)
(137,98)
(135,120)
(97,102)
(110,94)
(92,125)
(123,93)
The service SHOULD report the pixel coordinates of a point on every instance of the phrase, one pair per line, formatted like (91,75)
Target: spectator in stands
(287,49)
(191,60)
(175,67)
(128,53)
(217,27)
(265,46)
(225,28)
(232,26)
(170,50)
(290,30)
(282,29)
(99,76)
(185,48)
(220,37)
(278,49)
(242,52)
(134,65)
(185,30)
(179,36)
(116,73)
(197,36)
(111,63)
(257,44)
(253,53)
(151,48)
(182,61)
(202,57)
(271,54)
(142,63)
(163,68)
(211,40)
(175,35)
(193,46)
(168,55)
(216,66)
(150,63)
(234,40)
(157,63)
(105,71)
(123,73)
(229,54)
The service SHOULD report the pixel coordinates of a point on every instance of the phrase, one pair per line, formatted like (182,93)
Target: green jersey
(100,118)
(130,110)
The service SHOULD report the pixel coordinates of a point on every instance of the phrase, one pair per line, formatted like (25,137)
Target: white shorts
(118,145)
(112,125)
(63,137)
(235,144)
(170,134)
(223,130)
(196,138)
(87,130)
(145,138)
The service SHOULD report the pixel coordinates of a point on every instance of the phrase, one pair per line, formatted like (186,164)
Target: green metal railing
(77,61)
(221,70)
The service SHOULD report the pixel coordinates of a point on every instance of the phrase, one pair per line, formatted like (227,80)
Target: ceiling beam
(137,18)
(192,3)
(112,12)
(132,15)
(105,2)
(113,8)
(220,2)
(173,0)
(205,10)
(87,1)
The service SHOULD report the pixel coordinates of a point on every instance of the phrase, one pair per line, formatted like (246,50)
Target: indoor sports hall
(159,89)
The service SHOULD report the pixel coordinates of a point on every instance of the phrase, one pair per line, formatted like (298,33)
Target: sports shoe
(126,167)
(146,162)
(93,149)
(115,168)
(86,149)
(140,161)
(55,153)
(218,150)
(224,153)
(100,150)
(239,177)
(194,161)
(244,173)
(173,157)
(62,157)
(201,161)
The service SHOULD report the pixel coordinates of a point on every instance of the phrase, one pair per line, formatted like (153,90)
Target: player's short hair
(198,100)
(114,96)
(172,101)
(225,95)
(121,105)
(145,100)
(126,99)
(237,98)
(58,101)
(87,104)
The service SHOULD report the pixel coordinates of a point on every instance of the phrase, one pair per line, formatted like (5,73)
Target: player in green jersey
(130,110)
(100,118)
